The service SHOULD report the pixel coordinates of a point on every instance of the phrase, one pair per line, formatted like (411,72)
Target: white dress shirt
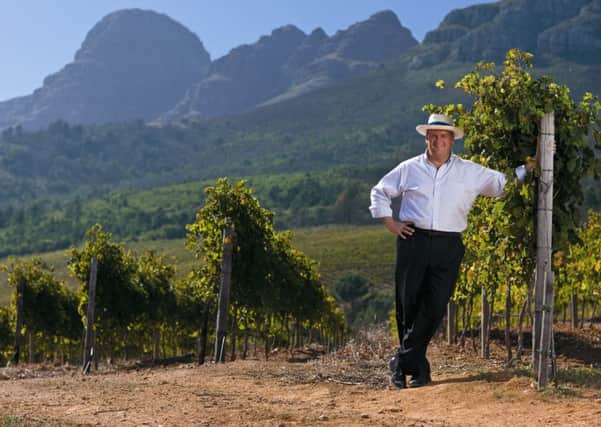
(437,199)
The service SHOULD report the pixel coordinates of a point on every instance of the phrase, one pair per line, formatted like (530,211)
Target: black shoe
(420,380)
(398,377)
(423,377)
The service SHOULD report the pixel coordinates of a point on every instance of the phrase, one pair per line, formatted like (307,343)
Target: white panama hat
(440,122)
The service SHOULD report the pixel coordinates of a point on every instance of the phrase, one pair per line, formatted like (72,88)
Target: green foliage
(374,309)
(48,307)
(118,300)
(351,287)
(501,128)
(298,200)
(579,267)
(6,334)
(154,276)
(190,301)
(340,249)
(12,420)
(365,249)
(503,125)
(362,305)
(50,314)
(269,277)
(234,206)
(135,297)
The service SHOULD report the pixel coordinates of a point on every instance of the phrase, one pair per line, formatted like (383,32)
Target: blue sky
(38,37)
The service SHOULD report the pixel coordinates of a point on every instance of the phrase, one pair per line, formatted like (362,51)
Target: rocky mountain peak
(375,39)
(569,29)
(288,62)
(134,32)
(317,34)
(383,17)
(133,64)
(290,32)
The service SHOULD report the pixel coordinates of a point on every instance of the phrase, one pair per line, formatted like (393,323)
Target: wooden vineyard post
(19,325)
(544,275)
(451,316)
(30,345)
(573,309)
(224,293)
(202,339)
(537,320)
(484,326)
(88,353)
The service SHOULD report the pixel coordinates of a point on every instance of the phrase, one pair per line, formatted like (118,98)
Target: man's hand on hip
(403,229)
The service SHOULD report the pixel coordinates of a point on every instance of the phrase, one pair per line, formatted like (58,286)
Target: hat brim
(423,129)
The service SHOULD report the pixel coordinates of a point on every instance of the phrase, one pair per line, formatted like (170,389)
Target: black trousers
(427,266)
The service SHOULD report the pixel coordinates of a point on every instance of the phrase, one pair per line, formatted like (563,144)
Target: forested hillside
(299,200)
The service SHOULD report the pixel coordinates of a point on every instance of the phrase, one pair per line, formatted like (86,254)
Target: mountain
(137,64)
(554,29)
(288,63)
(133,64)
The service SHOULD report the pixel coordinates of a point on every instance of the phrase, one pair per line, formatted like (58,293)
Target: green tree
(119,301)
(251,258)
(349,207)
(270,279)
(352,289)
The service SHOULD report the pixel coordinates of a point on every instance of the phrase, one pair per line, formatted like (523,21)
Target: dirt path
(280,393)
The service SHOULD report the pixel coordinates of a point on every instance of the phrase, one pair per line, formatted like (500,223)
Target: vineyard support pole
(202,339)
(88,353)
(19,325)
(544,275)
(224,293)
(451,316)
(484,325)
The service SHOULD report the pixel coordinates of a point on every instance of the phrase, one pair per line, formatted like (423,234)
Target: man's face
(439,143)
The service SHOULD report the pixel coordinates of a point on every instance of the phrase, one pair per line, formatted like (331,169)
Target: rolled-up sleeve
(389,187)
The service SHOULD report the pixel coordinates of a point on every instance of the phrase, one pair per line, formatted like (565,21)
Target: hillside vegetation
(145,182)
(366,250)
(361,123)
(298,199)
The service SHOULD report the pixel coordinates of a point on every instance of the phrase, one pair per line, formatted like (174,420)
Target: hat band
(439,123)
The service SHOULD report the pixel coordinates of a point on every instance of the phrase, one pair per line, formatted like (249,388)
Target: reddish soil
(348,388)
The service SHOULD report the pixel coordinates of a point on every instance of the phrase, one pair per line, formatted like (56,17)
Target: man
(438,189)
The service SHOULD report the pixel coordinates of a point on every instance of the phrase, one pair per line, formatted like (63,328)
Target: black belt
(436,233)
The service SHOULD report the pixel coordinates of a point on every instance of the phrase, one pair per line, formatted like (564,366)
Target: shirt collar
(449,161)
